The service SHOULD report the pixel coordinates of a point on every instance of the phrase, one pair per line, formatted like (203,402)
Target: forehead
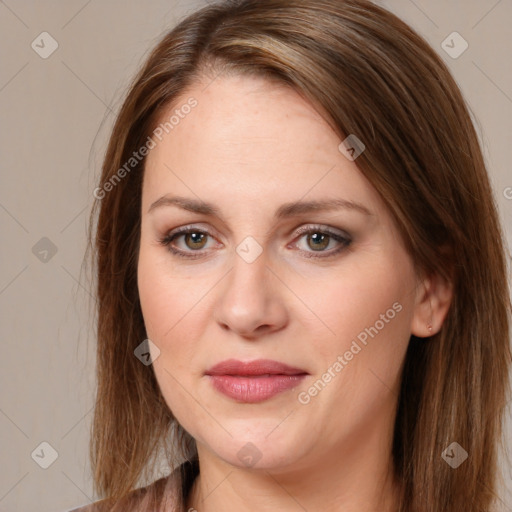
(249,140)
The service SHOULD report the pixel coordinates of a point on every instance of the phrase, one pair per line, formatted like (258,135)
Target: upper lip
(257,367)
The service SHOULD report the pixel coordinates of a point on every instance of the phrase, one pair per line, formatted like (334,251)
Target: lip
(253,368)
(253,381)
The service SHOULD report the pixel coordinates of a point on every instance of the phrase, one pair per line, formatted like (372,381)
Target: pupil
(318,237)
(196,237)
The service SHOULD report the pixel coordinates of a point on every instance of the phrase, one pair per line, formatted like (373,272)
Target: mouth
(253,381)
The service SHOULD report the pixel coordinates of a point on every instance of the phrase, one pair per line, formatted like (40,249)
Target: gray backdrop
(64,68)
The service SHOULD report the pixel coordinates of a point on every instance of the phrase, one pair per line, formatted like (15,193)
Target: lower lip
(254,389)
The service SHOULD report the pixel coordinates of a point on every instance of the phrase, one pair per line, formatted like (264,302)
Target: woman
(302,290)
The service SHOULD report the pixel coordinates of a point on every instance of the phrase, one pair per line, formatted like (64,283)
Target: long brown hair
(371,75)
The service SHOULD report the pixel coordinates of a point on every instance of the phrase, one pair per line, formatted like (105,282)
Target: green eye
(317,239)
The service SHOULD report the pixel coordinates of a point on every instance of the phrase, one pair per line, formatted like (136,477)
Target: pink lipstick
(254,381)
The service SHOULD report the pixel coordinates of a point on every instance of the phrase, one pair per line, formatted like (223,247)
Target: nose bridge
(250,261)
(249,300)
(248,279)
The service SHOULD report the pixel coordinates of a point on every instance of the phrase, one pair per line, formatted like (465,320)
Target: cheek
(368,308)
(358,300)
(154,296)
(172,311)
(165,309)
(164,298)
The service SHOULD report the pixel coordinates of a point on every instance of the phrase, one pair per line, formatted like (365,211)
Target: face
(327,295)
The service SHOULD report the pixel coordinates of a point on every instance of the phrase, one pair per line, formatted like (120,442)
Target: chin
(255,445)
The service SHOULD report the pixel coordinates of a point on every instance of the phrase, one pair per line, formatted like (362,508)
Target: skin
(248,147)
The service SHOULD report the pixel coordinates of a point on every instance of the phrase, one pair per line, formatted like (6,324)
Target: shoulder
(144,498)
(166,493)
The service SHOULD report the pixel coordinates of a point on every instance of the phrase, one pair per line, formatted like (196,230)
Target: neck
(354,477)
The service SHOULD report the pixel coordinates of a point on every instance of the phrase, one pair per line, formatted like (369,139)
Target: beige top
(171,491)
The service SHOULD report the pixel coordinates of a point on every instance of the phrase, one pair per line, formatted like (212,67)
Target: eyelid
(324,229)
(183,230)
(340,236)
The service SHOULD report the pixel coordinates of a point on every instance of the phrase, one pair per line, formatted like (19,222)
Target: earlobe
(433,299)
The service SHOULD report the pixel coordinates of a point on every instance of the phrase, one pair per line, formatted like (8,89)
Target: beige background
(56,114)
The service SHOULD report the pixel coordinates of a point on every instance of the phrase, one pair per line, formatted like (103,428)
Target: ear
(433,299)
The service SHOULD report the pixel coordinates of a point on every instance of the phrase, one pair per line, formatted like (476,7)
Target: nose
(251,302)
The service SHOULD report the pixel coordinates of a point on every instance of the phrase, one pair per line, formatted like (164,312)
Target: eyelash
(166,241)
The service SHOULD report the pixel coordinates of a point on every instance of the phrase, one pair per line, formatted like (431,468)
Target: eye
(193,238)
(319,238)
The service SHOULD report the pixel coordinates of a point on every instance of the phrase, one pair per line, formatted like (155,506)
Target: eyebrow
(285,210)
